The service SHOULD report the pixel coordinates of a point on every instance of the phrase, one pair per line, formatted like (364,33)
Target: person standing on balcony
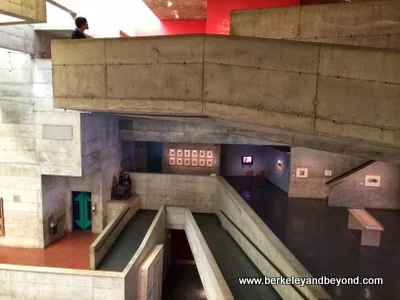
(81,25)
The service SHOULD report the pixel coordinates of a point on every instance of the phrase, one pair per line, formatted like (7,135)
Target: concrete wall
(191,170)
(306,92)
(352,192)
(52,188)
(198,193)
(278,177)
(178,130)
(372,24)
(231,159)
(255,230)
(31,10)
(317,162)
(37,283)
(155,235)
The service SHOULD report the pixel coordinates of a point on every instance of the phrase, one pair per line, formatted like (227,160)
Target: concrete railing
(261,245)
(39,283)
(213,281)
(156,234)
(198,193)
(104,241)
(297,93)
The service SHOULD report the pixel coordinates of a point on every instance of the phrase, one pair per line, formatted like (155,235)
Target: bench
(360,219)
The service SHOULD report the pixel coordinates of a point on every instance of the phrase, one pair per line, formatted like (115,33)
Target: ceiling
(178,9)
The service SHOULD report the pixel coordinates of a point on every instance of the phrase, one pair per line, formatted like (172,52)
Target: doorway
(154,157)
(81,211)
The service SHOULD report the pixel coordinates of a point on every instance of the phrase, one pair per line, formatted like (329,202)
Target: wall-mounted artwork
(279,165)
(202,154)
(179,161)
(179,152)
(171,152)
(372,180)
(187,162)
(301,172)
(209,162)
(328,173)
(194,153)
(194,162)
(187,153)
(209,154)
(202,162)
(172,161)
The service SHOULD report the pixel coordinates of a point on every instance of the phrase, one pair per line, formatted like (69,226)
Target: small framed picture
(179,161)
(372,180)
(209,163)
(187,162)
(202,154)
(202,162)
(301,172)
(187,153)
(194,162)
(172,161)
(194,153)
(171,152)
(179,153)
(209,154)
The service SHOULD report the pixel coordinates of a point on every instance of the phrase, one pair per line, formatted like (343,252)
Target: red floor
(72,252)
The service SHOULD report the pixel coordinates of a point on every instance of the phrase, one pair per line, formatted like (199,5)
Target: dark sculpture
(122,188)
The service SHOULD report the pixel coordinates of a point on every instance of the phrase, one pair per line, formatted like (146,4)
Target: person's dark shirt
(76,34)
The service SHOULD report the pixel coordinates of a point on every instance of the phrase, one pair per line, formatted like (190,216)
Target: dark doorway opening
(154,157)
(81,211)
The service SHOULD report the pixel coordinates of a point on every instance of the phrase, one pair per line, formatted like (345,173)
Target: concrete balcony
(330,97)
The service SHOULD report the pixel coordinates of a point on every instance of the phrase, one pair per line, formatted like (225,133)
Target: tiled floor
(72,251)
(318,236)
(183,283)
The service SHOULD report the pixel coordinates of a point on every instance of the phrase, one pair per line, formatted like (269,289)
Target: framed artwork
(171,152)
(279,165)
(194,153)
(209,162)
(301,172)
(328,173)
(209,154)
(179,153)
(179,161)
(202,154)
(172,161)
(187,153)
(187,162)
(194,162)
(202,162)
(372,180)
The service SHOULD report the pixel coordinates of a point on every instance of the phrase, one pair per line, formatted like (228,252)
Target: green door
(81,211)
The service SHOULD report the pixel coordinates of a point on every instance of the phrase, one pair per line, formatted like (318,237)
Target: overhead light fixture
(176,16)
(169,3)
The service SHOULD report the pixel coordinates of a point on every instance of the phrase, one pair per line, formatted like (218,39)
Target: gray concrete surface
(297,89)
(369,23)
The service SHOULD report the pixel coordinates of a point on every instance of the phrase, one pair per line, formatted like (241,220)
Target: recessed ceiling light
(169,4)
(176,16)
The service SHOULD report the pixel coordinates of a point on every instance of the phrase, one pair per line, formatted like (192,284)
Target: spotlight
(169,3)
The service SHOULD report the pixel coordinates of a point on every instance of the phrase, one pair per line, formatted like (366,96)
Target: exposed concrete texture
(198,193)
(261,84)
(30,10)
(155,235)
(37,283)
(191,170)
(352,192)
(19,38)
(317,162)
(372,24)
(210,274)
(175,217)
(247,221)
(181,130)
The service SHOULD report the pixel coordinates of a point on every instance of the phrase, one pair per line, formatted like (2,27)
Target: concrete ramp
(328,97)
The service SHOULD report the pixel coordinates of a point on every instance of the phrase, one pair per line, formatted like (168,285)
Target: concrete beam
(32,11)
(372,24)
(341,95)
